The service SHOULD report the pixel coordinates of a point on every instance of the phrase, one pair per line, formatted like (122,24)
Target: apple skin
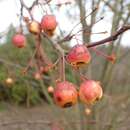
(78,56)
(90,91)
(19,40)
(49,24)
(34,27)
(65,94)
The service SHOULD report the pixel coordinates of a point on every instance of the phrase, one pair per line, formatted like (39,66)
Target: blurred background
(25,104)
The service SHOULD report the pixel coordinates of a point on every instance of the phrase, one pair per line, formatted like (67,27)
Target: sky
(9,15)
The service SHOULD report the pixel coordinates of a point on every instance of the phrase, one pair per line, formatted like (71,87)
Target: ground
(34,118)
(115,111)
(22,116)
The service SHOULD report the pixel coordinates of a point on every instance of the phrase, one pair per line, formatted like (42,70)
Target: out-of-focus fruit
(9,81)
(34,27)
(49,24)
(19,40)
(50,89)
(88,111)
(37,76)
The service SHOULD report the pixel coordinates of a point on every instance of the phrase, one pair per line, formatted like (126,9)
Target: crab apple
(88,111)
(9,81)
(90,91)
(19,40)
(37,76)
(48,24)
(34,27)
(78,55)
(65,94)
(50,89)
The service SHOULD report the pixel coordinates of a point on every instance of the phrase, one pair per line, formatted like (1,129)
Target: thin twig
(30,61)
(83,19)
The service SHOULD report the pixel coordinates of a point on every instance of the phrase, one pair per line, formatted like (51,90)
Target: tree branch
(43,122)
(110,38)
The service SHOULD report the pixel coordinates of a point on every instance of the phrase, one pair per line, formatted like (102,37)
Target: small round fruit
(65,94)
(78,56)
(37,76)
(50,89)
(9,81)
(48,23)
(88,111)
(90,91)
(19,40)
(34,27)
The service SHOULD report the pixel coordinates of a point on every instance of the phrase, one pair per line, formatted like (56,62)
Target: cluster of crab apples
(65,93)
(48,25)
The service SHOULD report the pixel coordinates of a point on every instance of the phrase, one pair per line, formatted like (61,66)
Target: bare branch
(83,19)
(111,38)
(43,122)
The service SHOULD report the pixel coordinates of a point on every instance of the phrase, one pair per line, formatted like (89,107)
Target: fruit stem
(62,67)
(83,77)
(108,57)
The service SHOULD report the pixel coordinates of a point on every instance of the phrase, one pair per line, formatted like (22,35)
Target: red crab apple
(78,55)
(65,94)
(19,40)
(34,27)
(90,91)
(48,24)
